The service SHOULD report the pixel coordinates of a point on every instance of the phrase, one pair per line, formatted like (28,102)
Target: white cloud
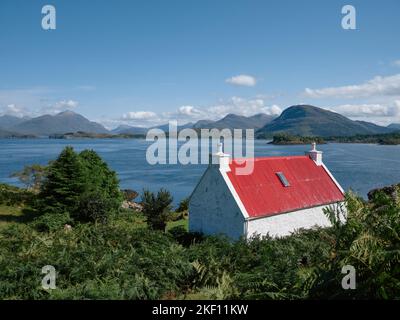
(382,114)
(58,107)
(14,110)
(368,110)
(378,86)
(139,115)
(273,110)
(236,105)
(64,104)
(189,111)
(240,106)
(242,80)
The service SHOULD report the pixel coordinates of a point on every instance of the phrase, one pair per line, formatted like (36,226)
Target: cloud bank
(242,80)
(378,86)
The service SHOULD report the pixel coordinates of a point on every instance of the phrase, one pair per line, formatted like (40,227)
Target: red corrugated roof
(263,194)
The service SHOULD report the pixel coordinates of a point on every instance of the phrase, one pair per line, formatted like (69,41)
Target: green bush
(180,235)
(183,205)
(80,184)
(52,221)
(13,196)
(92,261)
(93,207)
(157,208)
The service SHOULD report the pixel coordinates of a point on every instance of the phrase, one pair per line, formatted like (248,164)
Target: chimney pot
(221,159)
(315,155)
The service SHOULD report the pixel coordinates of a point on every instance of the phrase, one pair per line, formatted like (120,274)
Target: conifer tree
(64,183)
(157,208)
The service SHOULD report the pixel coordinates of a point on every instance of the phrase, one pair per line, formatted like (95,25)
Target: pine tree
(80,185)
(64,183)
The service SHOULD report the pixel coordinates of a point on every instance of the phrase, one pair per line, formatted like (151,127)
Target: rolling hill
(394,126)
(67,121)
(302,120)
(233,121)
(125,129)
(8,121)
(306,120)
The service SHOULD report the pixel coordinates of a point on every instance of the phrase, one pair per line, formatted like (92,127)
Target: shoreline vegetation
(277,139)
(87,135)
(381,139)
(71,215)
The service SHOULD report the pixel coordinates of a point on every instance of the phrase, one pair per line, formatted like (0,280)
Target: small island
(382,139)
(286,139)
(89,135)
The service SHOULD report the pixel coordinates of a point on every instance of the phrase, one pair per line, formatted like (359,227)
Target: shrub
(93,261)
(157,208)
(93,207)
(81,185)
(31,176)
(180,235)
(52,221)
(11,196)
(101,180)
(183,205)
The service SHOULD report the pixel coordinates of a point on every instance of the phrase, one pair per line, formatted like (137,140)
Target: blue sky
(145,62)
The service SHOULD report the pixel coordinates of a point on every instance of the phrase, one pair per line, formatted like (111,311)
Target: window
(283,179)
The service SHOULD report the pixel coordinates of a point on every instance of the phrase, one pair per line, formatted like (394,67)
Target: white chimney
(221,159)
(315,155)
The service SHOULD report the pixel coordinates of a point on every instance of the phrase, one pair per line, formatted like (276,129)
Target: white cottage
(280,195)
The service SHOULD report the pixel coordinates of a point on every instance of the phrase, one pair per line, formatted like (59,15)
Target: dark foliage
(13,196)
(183,205)
(81,185)
(157,208)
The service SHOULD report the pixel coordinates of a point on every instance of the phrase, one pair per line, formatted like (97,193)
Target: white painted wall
(212,208)
(284,224)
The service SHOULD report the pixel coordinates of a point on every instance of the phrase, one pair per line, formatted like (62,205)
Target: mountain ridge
(307,120)
(302,120)
(45,125)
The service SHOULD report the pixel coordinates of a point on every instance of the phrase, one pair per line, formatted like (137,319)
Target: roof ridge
(271,158)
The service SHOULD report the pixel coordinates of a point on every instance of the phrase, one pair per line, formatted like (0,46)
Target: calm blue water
(360,167)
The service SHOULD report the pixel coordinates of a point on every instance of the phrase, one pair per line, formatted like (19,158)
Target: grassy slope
(10,215)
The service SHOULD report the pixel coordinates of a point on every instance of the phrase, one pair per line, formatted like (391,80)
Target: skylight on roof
(283,179)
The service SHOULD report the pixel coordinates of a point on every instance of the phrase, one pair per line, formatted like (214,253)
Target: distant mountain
(67,121)
(125,129)
(8,121)
(165,127)
(306,120)
(374,128)
(394,126)
(233,121)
